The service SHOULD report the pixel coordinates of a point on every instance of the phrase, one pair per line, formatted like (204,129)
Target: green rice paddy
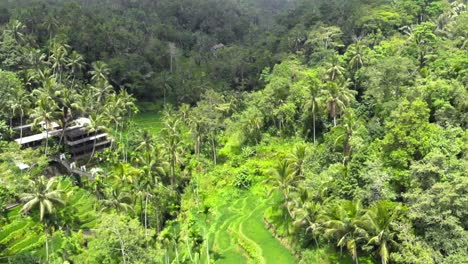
(237,233)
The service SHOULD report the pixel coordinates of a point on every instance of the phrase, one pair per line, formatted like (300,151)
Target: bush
(243,180)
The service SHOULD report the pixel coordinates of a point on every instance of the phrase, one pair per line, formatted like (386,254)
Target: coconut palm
(59,59)
(20,102)
(312,101)
(334,69)
(45,196)
(51,24)
(99,71)
(349,126)
(118,200)
(172,143)
(379,219)
(76,64)
(45,112)
(338,97)
(16,28)
(284,180)
(67,103)
(96,124)
(101,90)
(342,221)
(297,160)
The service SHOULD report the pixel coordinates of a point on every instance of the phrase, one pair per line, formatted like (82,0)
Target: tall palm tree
(357,53)
(45,112)
(379,219)
(101,90)
(172,143)
(44,196)
(334,69)
(96,124)
(343,221)
(338,97)
(67,99)
(297,160)
(118,200)
(76,64)
(99,72)
(59,59)
(20,102)
(349,126)
(312,102)
(51,24)
(16,28)
(283,180)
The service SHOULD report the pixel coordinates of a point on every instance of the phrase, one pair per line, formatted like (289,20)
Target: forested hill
(161,48)
(234,131)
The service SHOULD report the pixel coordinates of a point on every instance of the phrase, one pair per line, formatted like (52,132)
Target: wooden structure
(79,142)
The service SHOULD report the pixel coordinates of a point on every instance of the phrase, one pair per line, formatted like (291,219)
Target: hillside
(234,131)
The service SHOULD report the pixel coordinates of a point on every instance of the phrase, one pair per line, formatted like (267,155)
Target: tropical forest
(234,131)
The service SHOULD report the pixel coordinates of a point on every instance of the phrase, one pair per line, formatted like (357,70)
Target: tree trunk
(47,138)
(146,216)
(334,113)
(21,127)
(313,121)
(176,252)
(94,149)
(207,247)
(213,145)
(173,169)
(46,244)
(63,132)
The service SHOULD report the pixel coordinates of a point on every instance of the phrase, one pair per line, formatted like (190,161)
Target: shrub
(243,180)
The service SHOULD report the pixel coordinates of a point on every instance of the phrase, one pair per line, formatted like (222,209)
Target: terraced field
(237,231)
(149,121)
(239,235)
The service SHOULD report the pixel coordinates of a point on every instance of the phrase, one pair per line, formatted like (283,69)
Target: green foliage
(270,128)
(243,180)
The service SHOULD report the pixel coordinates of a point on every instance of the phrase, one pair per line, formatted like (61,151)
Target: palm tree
(20,102)
(75,64)
(172,141)
(379,222)
(59,59)
(343,221)
(334,69)
(51,24)
(349,126)
(197,130)
(67,102)
(45,112)
(101,90)
(357,51)
(306,212)
(16,28)
(44,196)
(312,103)
(99,71)
(96,124)
(338,97)
(283,180)
(118,200)
(297,160)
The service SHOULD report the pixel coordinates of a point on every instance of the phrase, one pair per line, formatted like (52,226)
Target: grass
(238,233)
(150,121)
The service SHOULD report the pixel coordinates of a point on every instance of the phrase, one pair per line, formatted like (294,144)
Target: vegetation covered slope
(312,132)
